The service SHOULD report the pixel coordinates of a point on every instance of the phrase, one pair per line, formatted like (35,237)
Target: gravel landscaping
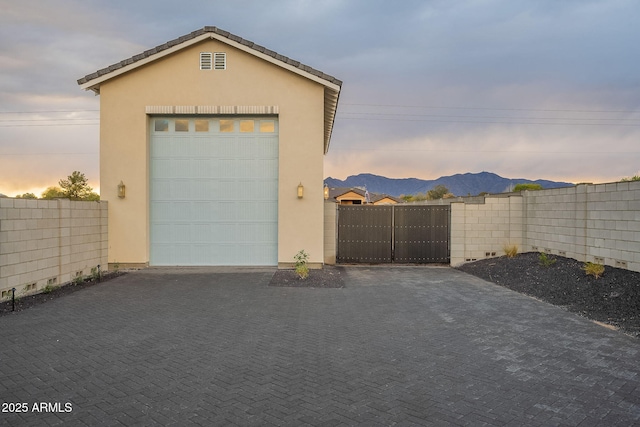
(23,302)
(613,299)
(327,277)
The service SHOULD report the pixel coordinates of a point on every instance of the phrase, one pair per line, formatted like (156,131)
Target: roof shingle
(197,33)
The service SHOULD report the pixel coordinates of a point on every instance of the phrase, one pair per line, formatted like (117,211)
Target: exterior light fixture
(121,190)
(300,191)
(326,192)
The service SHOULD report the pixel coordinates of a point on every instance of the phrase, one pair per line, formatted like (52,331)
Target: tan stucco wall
(176,80)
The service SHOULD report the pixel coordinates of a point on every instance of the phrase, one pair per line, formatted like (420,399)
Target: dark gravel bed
(24,302)
(613,299)
(326,277)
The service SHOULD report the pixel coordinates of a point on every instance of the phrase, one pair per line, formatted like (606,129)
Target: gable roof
(331,84)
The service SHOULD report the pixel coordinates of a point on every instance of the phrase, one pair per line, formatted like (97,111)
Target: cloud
(443,65)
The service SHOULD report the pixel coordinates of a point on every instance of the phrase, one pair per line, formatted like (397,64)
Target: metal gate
(385,234)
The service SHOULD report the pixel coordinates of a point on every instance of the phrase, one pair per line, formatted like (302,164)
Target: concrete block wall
(330,224)
(597,223)
(49,242)
(556,221)
(483,230)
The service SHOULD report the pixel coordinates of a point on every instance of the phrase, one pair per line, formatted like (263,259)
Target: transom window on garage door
(211,125)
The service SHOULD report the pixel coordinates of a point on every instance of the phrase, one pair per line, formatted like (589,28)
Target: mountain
(459,184)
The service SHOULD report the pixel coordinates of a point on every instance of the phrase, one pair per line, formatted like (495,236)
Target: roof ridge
(197,33)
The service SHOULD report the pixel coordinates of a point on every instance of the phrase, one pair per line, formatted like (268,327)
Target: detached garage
(211,153)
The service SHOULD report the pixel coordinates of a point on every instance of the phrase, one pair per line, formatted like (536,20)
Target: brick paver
(397,346)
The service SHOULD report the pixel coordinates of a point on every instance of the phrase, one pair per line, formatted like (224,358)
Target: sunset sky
(525,89)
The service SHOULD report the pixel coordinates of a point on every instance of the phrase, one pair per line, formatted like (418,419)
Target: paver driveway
(398,345)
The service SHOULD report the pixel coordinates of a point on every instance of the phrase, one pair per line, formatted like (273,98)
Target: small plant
(78,279)
(593,269)
(546,260)
(48,289)
(301,264)
(96,274)
(510,250)
(116,266)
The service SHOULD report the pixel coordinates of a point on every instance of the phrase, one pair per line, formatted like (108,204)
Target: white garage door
(214,191)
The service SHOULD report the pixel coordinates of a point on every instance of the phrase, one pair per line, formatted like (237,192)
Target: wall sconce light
(326,192)
(121,190)
(300,191)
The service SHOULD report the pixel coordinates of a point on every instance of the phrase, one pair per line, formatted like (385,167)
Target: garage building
(211,153)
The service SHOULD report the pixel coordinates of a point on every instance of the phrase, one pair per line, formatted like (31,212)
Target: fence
(49,242)
(393,233)
(597,223)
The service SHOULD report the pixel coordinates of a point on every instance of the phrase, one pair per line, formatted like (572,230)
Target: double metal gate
(385,234)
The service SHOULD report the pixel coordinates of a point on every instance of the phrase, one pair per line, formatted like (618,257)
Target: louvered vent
(206,60)
(220,61)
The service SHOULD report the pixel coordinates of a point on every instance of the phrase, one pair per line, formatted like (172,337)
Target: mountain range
(459,184)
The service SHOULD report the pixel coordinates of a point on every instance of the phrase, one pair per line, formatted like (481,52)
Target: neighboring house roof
(377,198)
(337,192)
(331,84)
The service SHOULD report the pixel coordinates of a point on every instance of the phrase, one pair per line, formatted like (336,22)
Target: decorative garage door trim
(212,109)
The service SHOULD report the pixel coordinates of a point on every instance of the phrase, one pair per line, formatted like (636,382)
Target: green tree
(76,187)
(413,197)
(26,196)
(92,197)
(437,192)
(523,187)
(633,178)
(52,193)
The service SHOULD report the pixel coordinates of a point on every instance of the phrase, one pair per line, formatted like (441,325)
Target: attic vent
(206,59)
(220,61)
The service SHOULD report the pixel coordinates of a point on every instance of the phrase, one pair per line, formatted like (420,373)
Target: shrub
(301,264)
(593,269)
(48,289)
(546,260)
(525,186)
(510,250)
(96,274)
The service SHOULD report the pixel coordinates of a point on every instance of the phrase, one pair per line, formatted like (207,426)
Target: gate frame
(393,234)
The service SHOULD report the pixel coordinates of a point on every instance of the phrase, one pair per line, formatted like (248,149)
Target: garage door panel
(163,254)
(201,168)
(162,211)
(214,195)
(201,233)
(201,146)
(162,147)
(200,254)
(227,168)
(180,168)
(164,236)
(182,233)
(182,254)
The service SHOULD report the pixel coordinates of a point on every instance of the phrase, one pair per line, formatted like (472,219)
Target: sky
(540,89)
